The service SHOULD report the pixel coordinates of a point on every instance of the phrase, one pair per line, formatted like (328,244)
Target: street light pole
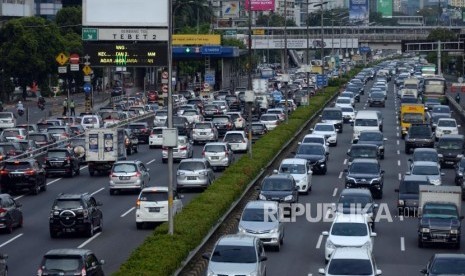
(286,60)
(170,120)
(249,76)
(308,53)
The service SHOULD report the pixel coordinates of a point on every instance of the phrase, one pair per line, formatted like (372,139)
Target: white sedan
(446,126)
(328,131)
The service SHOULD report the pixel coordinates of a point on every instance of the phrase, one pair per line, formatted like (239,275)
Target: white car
(156,137)
(344,102)
(192,115)
(271,121)
(328,131)
(300,171)
(237,140)
(152,205)
(348,114)
(219,154)
(223,105)
(361,262)
(7,120)
(160,117)
(316,138)
(239,121)
(278,111)
(348,230)
(446,126)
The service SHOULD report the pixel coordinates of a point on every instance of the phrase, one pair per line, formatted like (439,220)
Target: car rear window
(124,168)
(203,126)
(17,166)
(234,138)
(67,204)
(6,115)
(138,126)
(38,138)
(191,166)
(157,131)
(214,148)
(56,154)
(153,196)
(56,130)
(10,133)
(62,263)
(7,148)
(270,184)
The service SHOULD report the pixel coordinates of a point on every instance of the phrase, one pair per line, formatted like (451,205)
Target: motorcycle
(41,106)
(20,112)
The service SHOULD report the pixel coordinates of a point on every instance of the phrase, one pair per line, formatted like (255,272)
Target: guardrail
(457,108)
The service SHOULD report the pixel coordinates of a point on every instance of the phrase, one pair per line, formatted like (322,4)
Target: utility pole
(286,61)
(308,54)
(170,119)
(249,77)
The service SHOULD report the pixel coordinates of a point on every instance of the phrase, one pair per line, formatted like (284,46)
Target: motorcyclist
(41,102)
(20,106)
(457,98)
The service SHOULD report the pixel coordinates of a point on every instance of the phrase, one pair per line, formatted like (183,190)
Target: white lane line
(127,212)
(53,181)
(318,243)
(151,161)
(85,167)
(402,244)
(398,142)
(89,240)
(401,218)
(397,128)
(345,161)
(398,152)
(397,134)
(335,192)
(398,163)
(340,175)
(18,197)
(10,240)
(400,176)
(99,190)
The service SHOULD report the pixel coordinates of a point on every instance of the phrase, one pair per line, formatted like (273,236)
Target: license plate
(124,177)
(56,164)
(234,146)
(191,178)
(160,136)
(154,209)
(275,198)
(203,133)
(215,157)
(15,175)
(439,236)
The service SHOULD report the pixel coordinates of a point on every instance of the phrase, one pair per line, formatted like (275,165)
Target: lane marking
(398,163)
(335,192)
(127,212)
(397,134)
(10,240)
(89,240)
(398,142)
(398,152)
(53,181)
(345,161)
(340,175)
(151,161)
(18,197)
(99,190)
(318,243)
(402,244)
(400,176)
(85,167)
(401,218)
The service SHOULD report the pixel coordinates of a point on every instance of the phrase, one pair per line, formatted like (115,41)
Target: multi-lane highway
(395,248)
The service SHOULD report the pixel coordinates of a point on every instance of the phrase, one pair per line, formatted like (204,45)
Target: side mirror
(461,217)
(385,139)
(275,171)
(410,160)
(396,190)
(375,205)
(293,152)
(321,271)
(424,271)
(206,256)
(263,258)
(348,153)
(325,233)
(355,141)
(442,174)
(19,204)
(257,188)
(327,153)
(102,262)
(379,272)
(148,169)
(311,129)
(373,235)
(296,188)
(346,170)
(299,143)
(382,171)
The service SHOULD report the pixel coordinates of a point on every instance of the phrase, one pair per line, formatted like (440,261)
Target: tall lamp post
(322,40)
(249,75)
(170,118)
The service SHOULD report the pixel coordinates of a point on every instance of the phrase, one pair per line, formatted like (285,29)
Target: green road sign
(89,34)
(230,32)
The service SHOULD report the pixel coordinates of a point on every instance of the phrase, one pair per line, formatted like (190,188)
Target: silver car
(237,255)
(262,219)
(205,131)
(194,173)
(182,151)
(219,154)
(160,118)
(128,175)
(428,168)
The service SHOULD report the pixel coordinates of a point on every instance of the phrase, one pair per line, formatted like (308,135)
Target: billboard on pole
(230,9)
(359,11)
(385,7)
(260,5)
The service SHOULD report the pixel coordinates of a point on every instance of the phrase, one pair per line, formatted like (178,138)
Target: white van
(7,120)
(365,120)
(92,121)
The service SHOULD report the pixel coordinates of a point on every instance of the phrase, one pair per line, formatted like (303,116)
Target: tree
(273,20)
(28,48)
(442,34)
(185,13)
(69,20)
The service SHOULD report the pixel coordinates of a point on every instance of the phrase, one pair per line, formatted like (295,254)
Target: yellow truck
(411,114)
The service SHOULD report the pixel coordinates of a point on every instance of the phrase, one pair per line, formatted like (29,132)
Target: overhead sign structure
(127,54)
(186,39)
(122,34)
(336,43)
(260,5)
(61,59)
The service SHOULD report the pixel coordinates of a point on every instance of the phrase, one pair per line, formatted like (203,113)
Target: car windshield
(215,148)
(370,136)
(62,263)
(256,214)
(189,113)
(153,196)
(191,166)
(354,200)
(137,126)
(202,126)
(447,123)
(234,254)
(347,95)
(6,116)
(448,266)
(362,152)
(157,131)
(179,120)
(331,115)
(258,127)
(349,229)
(311,149)
(270,184)
(161,113)
(8,148)
(292,168)
(411,187)
(377,95)
(268,117)
(450,144)
(419,131)
(425,170)
(443,211)
(38,138)
(350,267)
(210,107)
(10,133)
(407,99)
(343,100)
(347,109)
(324,128)
(364,168)
(56,130)
(124,168)
(67,204)
(412,118)
(436,117)
(110,115)
(234,138)
(89,120)
(432,101)
(366,122)
(56,154)
(441,109)
(222,120)
(314,140)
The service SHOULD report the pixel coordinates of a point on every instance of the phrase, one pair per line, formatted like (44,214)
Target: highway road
(395,248)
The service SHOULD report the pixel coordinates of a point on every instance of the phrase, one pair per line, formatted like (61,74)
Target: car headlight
(460,174)
(378,179)
(454,231)
(435,181)
(274,230)
(262,197)
(400,202)
(425,230)
(459,155)
(351,179)
(440,155)
(289,197)
(330,245)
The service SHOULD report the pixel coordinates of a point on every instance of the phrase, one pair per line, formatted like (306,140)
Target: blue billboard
(359,11)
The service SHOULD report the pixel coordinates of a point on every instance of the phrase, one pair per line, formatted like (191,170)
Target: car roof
(155,189)
(315,135)
(280,176)
(425,150)
(234,132)
(350,218)
(237,240)
(362,145)
(447,119)
(412,177)
(68,251)
(216,144)
(354,191)
(367,160)
(127,162)
(351,253)
(262,204)
(294,161)
(424,163)
(70,196)
(327,124)
(193,160)
(453,136)
(332,108)
(449,255)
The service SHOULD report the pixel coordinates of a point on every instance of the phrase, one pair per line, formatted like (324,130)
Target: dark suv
(419,136)
(22,174)
(75,213)
(279,187)
(72,261)
(141,130)
(61,161)
(450,149)
(365,173)
(223,124)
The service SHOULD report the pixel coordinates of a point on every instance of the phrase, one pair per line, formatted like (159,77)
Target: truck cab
(411,114)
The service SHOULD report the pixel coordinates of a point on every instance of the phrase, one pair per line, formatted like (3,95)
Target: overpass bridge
(335,37)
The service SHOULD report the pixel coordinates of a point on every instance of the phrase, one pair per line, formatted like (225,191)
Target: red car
(152,97)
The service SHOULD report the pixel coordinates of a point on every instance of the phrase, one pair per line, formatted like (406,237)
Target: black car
(372,137)
(9,150)
(279,187)
(182,124)
(450,149)
(141,130)
(459,171)
(376,99)
(11,216)
(316,156)
(131,141)
(419,136)
(223,124)
(445,264)
(409,194)
(424,154)
(365,173)
(75,213)
(72,261)
(25,174)
(431,102)
(258,129)
(357,201)
(357,151)
(210,110)
(42,139)
(61,161)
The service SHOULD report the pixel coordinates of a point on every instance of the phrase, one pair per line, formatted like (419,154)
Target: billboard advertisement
(230,9)
(260,5)
(359,11)
(384,7)
(123,13)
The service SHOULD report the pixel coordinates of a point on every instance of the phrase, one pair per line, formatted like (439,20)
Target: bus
(428,69)
(434,86)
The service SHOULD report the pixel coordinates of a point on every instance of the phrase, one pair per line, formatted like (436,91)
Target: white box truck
(104,146)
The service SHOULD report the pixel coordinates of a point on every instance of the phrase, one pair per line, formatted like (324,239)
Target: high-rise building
(457,3)
(47,8)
